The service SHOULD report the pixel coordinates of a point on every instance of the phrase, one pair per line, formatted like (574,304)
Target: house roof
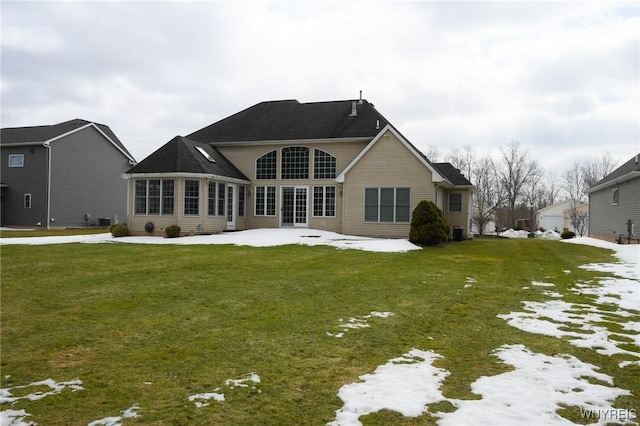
(292,120)
(452,174)
(630,169)
(183,155)
(49,133)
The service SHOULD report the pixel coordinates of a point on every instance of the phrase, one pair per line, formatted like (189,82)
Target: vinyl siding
(606,220)
(387,164)
(30,179)
(86,178)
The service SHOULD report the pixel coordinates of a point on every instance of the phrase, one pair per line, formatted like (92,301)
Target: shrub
(566,234)
(119,230)
(428,226)
(172,231)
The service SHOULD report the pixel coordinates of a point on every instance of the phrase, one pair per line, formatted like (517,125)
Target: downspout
(46,145)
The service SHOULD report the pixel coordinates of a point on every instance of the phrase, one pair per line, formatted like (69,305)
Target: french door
(231,207)
(295,200)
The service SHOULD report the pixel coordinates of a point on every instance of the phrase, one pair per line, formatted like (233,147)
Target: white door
(294,206)
(232,206)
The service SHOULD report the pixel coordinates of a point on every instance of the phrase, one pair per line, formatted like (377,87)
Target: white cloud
(446,74)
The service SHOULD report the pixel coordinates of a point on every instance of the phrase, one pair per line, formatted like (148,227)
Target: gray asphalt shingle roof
(41,134)
(181,155)
(292,120)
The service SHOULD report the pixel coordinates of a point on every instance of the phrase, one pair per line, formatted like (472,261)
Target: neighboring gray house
(614,201)
(63,175)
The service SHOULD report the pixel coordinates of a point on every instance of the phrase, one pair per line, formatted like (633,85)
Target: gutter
(46,145)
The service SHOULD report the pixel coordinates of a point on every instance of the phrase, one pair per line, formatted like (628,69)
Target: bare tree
(487,197)
(553,186)
(597,169)
(574,182)
(433,153)
(579,220)
(463,160)
(514,171)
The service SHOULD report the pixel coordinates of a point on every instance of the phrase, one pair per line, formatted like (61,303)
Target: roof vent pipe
(354,110)
(360,101)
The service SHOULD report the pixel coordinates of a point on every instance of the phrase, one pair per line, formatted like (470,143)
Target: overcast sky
(562,78)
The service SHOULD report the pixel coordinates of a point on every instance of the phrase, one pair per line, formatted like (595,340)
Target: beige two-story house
(338,166)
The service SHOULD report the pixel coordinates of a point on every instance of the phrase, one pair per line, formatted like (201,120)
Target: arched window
(266,166)
(324,165)
(295,162)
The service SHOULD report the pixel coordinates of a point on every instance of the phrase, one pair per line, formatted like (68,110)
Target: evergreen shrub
(566,234)
(172,231)
(119,230)
(428,226)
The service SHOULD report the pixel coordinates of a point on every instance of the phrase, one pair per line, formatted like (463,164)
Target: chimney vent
(354,109)
(360,101)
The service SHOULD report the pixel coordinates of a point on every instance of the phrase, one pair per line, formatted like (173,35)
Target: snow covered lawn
(533,389)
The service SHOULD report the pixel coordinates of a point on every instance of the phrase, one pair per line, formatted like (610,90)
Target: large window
(222,188)
(295,162)
(241,201)
(265,204)
(324,165)
(211,199)
(387,205)
(266,166)
(324,201)
(455,203)
(154,196)
(191,197)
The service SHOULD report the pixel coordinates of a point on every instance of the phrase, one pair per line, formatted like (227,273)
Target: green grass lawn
(153,324)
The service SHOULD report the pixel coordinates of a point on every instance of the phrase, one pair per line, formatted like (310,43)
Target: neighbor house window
(265,204)
(324,165)
(221,194)
(191,197)
(455,203)
(324,201)
(154,196)
(615,197)
(266,166)
(295,162)
(16,160)
(387,205)
(211,199)
(27,201)
(241,201)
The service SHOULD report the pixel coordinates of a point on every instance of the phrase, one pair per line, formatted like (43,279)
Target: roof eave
(290,141)
(631,175)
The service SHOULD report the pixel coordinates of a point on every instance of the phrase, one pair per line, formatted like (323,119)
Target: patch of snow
(15,418)
(56,388)
(551,381)
(406,385)
(255,237)
(206,397)
(251,381)
(541,284)
(511,233)
(129,413)
(358,322)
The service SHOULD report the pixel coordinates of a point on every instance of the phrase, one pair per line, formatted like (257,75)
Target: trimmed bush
(428,226)
(567,235)
(119,230)
(172,231)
